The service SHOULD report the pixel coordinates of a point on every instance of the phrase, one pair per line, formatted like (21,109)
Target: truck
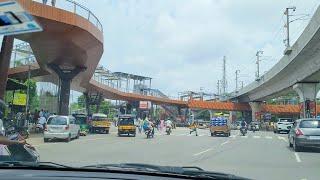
(220,126)
(283,125)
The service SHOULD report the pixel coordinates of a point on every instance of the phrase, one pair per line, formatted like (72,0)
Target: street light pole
(237,72)
(286,12)
(258,63)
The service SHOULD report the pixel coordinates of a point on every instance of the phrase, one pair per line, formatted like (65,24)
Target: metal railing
(90,15)
(79,10)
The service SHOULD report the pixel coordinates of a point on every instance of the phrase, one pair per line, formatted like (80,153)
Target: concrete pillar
(5,56)
(87,102)
(307,93)
(232,115)
(65,77)
(255,110)
(99,102)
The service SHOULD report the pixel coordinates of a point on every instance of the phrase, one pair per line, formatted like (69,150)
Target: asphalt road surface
(259,155)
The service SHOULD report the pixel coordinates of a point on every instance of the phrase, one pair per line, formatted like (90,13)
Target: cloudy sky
(181,43)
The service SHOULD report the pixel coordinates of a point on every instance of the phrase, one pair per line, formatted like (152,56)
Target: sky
(181,43)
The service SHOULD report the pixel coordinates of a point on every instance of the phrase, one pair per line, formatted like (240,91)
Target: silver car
(61,127)
(304,133)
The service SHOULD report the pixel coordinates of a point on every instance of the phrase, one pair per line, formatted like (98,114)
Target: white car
(283,125)
(61,127)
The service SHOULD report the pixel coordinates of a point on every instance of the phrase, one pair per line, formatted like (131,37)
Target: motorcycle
(243,131)
(39,128)
(168,130)
(150,133)
(20,152)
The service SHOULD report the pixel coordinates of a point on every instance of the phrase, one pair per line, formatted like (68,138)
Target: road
(259,155)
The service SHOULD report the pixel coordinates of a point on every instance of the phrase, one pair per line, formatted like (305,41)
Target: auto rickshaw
(126,125)
(81,119)
(100,123)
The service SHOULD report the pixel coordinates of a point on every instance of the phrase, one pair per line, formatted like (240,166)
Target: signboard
(15,20)
(20,99)
(145,105)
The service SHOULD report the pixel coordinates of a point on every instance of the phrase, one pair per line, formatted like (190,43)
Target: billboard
(19,99)
(145,105)
(15,20)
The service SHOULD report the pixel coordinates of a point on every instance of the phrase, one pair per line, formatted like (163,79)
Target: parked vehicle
(219,126)
(61,127)
(283,125)
(126,125)
(304,133)
(100,123)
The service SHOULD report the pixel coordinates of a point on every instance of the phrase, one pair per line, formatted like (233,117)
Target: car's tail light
(67,127)
(299,132)
(45,128)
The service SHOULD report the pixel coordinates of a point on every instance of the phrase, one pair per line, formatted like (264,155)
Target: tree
(33,96)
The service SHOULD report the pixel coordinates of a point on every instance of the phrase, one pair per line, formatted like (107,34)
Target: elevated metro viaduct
(297,71)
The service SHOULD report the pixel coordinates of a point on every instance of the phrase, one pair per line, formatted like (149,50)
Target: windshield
(57,121)
(310,124)
(126,121)
(91,82)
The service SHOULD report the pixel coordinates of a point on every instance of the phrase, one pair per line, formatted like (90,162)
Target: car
(254,124)
(283,125)
(304,133)
(61,127)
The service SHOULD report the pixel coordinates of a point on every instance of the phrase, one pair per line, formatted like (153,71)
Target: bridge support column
(307,94)
(5,56)
(65,77)
(99,103)
(255,110)
(87,102)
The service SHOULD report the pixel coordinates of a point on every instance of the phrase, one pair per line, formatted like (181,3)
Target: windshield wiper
(190,171)
(32,164)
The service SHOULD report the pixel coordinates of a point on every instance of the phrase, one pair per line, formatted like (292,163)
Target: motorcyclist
(168,124)
(3,139)
(243,124)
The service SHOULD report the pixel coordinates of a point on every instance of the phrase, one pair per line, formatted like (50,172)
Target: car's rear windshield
(285,120)
(126,121)
(58,120)
(310,124)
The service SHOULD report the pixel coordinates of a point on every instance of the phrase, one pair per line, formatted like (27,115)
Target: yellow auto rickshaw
(126,125)
(100,123)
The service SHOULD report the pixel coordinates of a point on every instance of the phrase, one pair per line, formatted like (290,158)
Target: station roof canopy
(131,76)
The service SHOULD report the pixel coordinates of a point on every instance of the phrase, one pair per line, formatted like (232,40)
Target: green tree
(33,96)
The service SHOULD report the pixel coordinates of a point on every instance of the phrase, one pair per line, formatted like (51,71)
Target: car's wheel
(212,134)
(107,131)
(275,132)
(296,148)
(69,138)
(45,140)
(134,135)
(78,135)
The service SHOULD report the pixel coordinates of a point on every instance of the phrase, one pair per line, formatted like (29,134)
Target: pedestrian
(161,125)
(193,128)
(36,116)
(41,113)
(44,1)
(140,124)
(53,3)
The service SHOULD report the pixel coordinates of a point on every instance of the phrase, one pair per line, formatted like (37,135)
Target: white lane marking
(233,136)
(202,135)
(297,157)
(199,153)
(224,143)
(257,137)
(268,137)
(282,138)
(244,136)
(189,135)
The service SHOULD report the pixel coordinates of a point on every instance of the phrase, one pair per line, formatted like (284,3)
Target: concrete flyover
(68,49)
(300,68)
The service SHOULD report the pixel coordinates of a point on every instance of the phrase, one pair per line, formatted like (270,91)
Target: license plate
(314,137)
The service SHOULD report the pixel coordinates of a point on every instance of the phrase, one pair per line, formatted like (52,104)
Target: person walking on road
(193,128)
(140,124)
